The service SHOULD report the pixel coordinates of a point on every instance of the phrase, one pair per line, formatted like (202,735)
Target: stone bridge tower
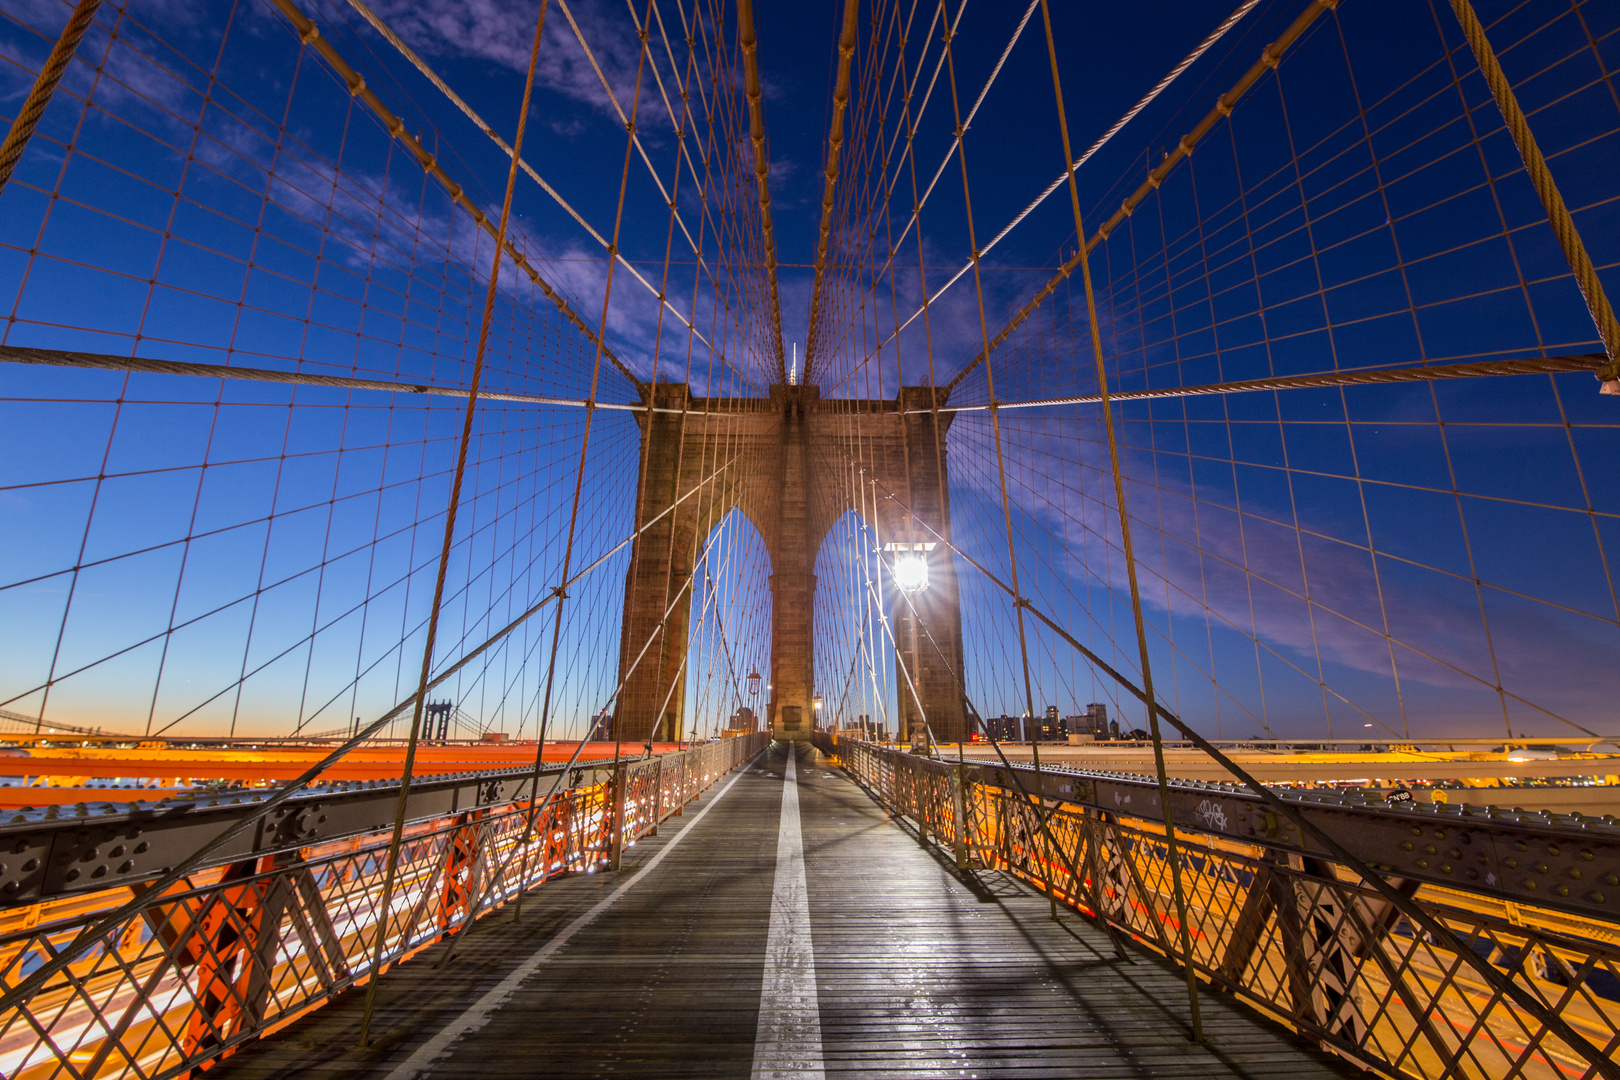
(791,463)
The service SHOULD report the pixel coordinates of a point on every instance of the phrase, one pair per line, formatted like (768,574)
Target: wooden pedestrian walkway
(760,935)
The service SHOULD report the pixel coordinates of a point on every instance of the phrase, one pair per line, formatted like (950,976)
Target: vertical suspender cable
(392,867)
(1125,541)
(995,427)
(590,408)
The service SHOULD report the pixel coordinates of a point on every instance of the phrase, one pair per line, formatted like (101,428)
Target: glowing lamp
(910,566)
(911,573)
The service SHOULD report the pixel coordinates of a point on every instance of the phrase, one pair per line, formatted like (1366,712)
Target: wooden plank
(920,973)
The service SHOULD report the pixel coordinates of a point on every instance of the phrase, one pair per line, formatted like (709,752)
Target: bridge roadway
(705,955)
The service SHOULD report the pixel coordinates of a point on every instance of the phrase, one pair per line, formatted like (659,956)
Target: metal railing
(1291,932)
(254,940)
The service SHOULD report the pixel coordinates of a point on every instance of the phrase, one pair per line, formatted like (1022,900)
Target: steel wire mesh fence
(1295,936)
(240,949)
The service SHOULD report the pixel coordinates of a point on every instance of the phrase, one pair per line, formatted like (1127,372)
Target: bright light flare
(911,571)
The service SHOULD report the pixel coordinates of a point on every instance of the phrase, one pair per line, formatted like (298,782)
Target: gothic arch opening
(729,637)
(855,676)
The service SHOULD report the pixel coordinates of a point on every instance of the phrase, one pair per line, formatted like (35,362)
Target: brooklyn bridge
(868,538)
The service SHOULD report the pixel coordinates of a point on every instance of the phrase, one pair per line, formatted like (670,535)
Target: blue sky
(205,552)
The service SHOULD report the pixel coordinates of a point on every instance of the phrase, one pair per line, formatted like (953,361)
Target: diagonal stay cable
(1040,820)
(1030,800)
(1270,57)
(945,161)
(310,35)
(538,813)
(49,78)
(1500,983)
(628,121)
(1147,99)
(483,125)
(391,864)
(87,938)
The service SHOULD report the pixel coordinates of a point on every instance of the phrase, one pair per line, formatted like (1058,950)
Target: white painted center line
(439,1047)
(788,1043)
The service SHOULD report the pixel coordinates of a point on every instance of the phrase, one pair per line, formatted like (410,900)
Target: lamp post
(908,568)
(753,684)
(815,704)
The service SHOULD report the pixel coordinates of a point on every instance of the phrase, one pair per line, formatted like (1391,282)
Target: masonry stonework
(793,464)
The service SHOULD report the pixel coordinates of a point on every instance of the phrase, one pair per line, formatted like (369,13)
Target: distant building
(1005,728)
(1049,728)
(743,722)
(1092,722)
(862,727)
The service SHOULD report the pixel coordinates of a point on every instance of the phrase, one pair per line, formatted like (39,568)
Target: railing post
(621,779)
(960,806)
(1290,928)
(658,796)
(460,886)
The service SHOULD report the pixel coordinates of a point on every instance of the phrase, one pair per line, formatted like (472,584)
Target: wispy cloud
(502,34)
(1250,573)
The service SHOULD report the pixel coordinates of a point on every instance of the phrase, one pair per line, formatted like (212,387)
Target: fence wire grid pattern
(1299,938)
(238,950)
